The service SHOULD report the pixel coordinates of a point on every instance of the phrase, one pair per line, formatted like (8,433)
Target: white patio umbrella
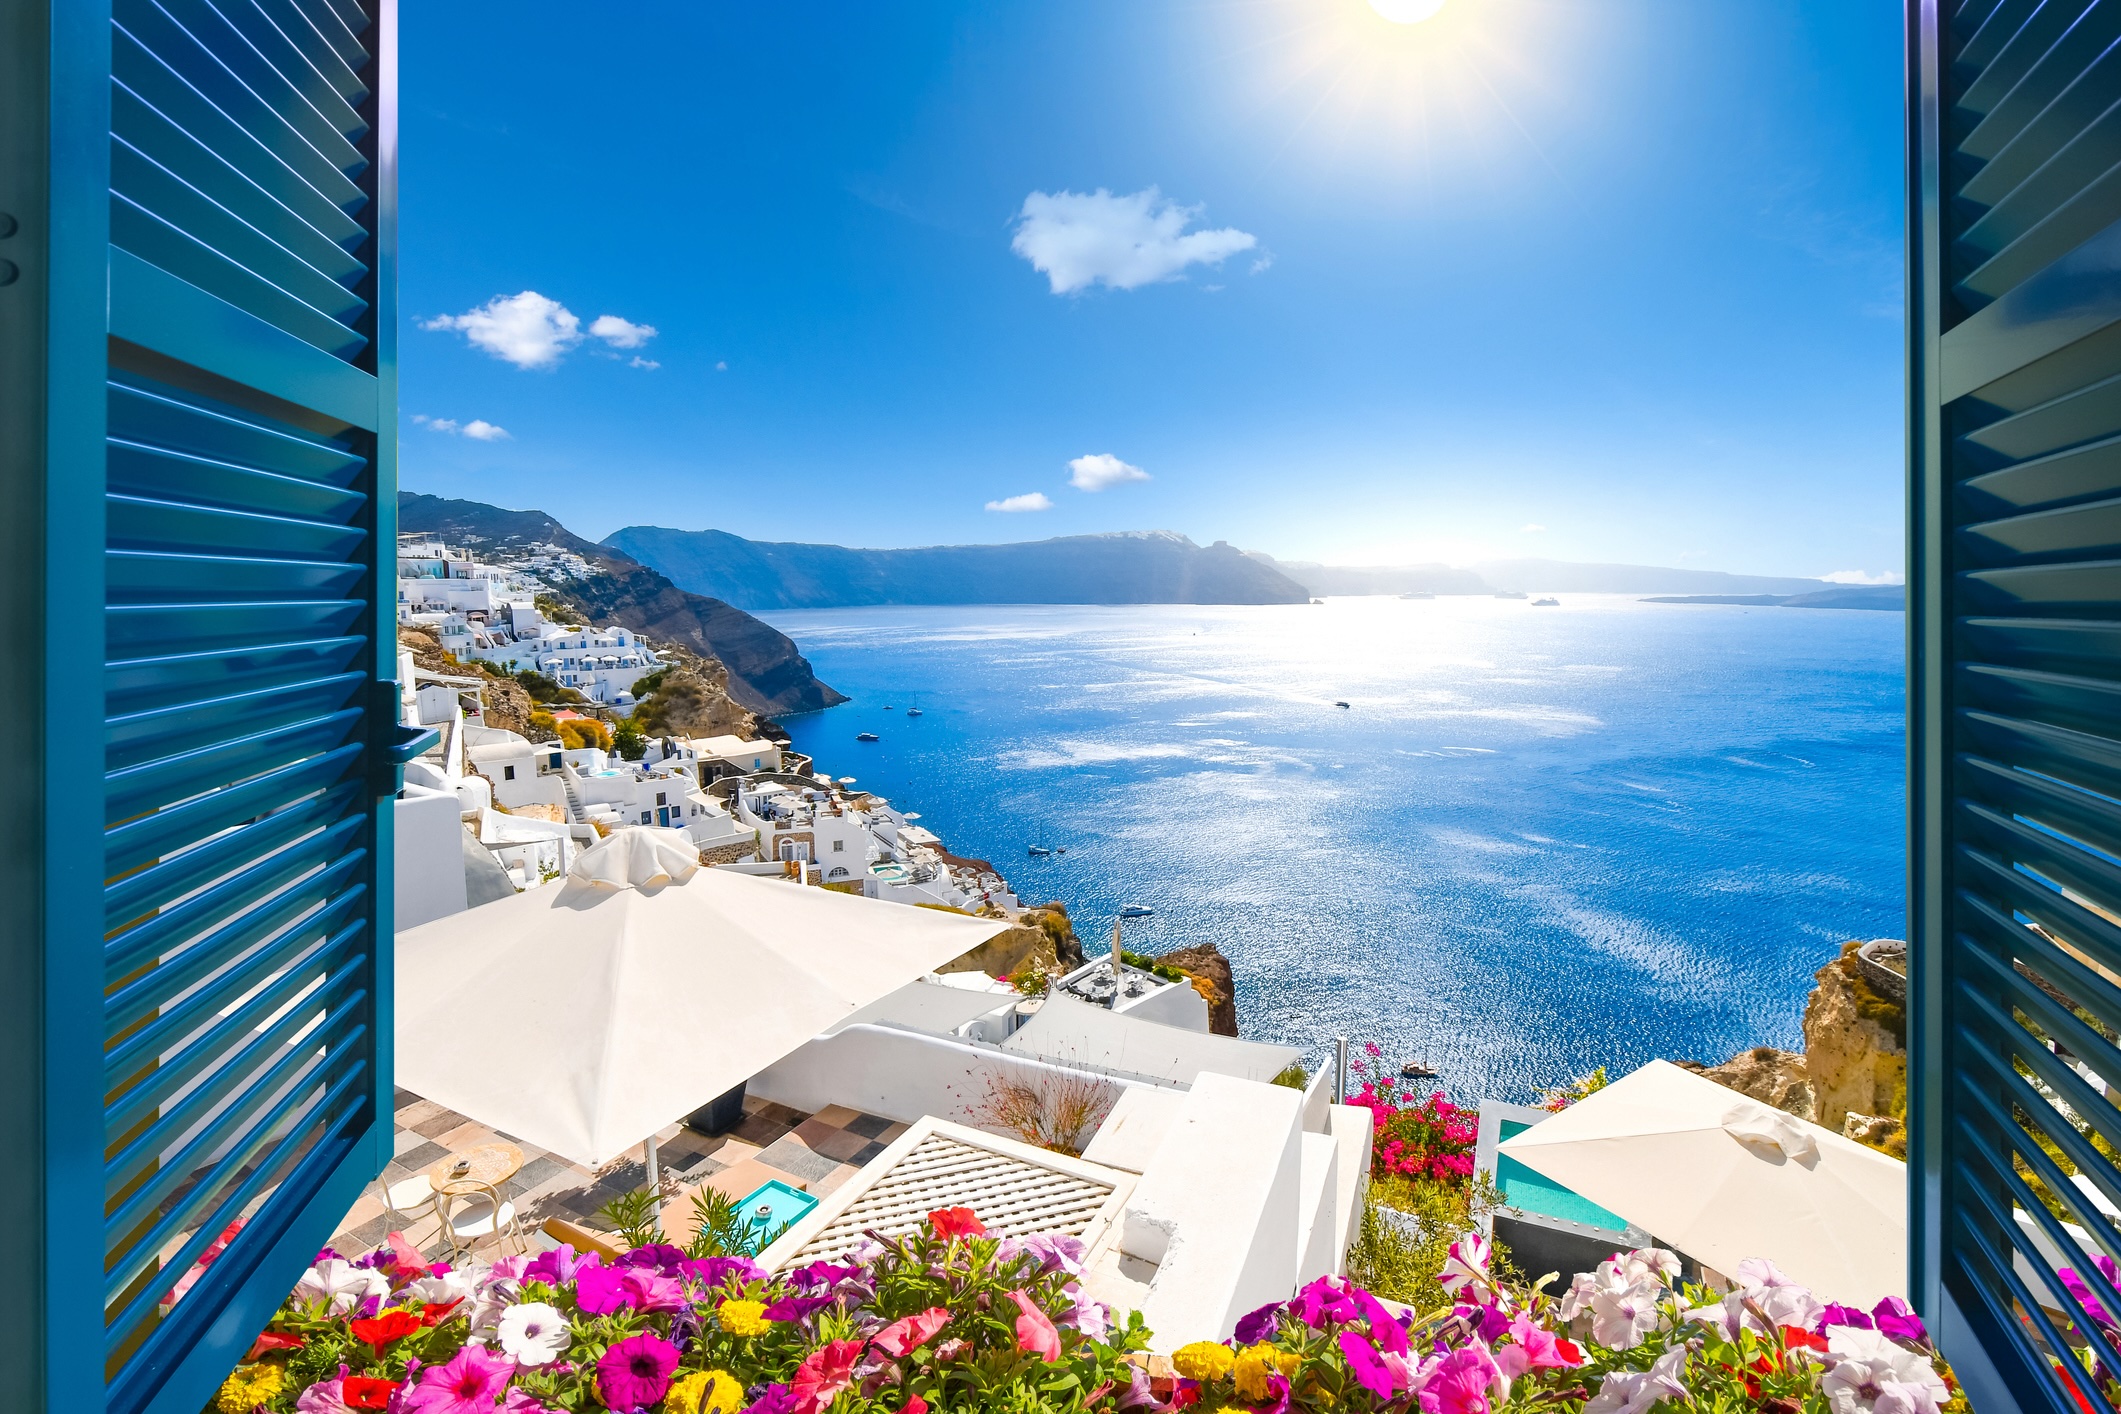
(585,1016)
(1722,1178)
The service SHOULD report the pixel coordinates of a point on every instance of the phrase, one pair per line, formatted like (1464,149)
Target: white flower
(1620,1319)
(441,1290)
(341,1286)
(1644,1262)
(1781,1300)
(533,1333)
(1465,1272)
(1872,1375)
(1577,1299)
(1636,1391)
(1728,1316)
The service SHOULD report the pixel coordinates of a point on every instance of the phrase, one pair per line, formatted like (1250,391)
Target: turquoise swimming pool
(1532,1193)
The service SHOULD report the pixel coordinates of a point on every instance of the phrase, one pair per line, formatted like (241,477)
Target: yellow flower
(705,1392)
(248,1388)
(1255,1364)
(1203,1360)
(745,1318)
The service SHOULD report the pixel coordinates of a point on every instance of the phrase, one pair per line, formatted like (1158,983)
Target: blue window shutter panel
(198,460)
(2014,652)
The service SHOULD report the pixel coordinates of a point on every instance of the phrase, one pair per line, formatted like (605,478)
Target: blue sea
(1537,840)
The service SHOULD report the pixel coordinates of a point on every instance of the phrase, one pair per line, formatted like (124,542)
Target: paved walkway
(814,1152)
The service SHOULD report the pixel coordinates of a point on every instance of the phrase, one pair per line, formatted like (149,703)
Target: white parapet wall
(904,1075)
(427,855)
(1214,1226)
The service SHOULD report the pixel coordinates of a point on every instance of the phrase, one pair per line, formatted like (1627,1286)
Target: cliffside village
(530,802)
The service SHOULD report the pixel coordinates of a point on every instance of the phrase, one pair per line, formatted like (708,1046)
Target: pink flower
(1368,1367)
(469,1384)
(1534,1347)
(1460,1381)
(599,1291)
(902,1337)
(1034,1332)
(823,1374)
(636,1371)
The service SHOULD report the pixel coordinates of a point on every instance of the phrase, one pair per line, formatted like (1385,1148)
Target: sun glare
(1406,12)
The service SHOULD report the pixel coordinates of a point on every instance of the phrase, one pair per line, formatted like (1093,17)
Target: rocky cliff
(1132,567)
(766,672)
(1852,1076)
(1205,964)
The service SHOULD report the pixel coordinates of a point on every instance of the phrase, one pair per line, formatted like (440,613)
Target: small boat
(866,736)
(1060,849)
(1415,1070)
(888,707)
(913,711)
(1546,603)
(1318,601)
(1340,704)
(1038,851)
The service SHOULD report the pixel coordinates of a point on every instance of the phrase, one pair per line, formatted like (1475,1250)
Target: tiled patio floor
(814,1152)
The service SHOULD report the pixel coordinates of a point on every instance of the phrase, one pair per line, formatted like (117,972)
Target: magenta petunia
(468,1384)
(1897,1320)
(1366,1365)
(600,1290)
(635,1372)
(1460,1382)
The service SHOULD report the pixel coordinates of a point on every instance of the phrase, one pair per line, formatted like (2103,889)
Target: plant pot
(720,1114)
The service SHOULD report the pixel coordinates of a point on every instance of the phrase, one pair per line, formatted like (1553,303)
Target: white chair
(407,1201)
(484,1213)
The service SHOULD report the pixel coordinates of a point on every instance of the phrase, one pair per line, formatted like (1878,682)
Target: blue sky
(1592,279)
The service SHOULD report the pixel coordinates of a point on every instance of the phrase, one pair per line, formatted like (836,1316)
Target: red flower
(433,1313)
(272,1340)
(379,1331)
(1798,1338)
(955,1222)
(366,1392)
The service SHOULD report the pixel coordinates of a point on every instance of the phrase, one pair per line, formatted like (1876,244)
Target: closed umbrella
(583,1017)
(1723,1177)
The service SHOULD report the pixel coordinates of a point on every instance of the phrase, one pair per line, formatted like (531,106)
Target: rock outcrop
(1773,1077)
(1855,1045)
(1210,971)
(1053,919)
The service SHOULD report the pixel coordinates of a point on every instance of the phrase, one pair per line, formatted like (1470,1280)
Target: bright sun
(1406,12)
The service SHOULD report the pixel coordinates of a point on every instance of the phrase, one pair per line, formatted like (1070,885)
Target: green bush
(1293,1075)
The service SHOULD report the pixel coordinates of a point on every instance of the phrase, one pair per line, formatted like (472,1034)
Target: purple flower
(560,1265)
(773,1399)
(1366,1365)
(1137,1394)
(635,1372)
(660,1255)
(1053,1251)
(714,1271)
(1843,1316)
(796,1308)
(821,1276)
(1256,1326)
(1897,1320)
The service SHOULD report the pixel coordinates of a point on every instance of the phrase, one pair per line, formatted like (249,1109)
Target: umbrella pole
(655,1183)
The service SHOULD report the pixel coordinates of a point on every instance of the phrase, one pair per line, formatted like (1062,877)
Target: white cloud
(620,333)
(722,367)
(1863,577)
(528,330)
(478,429)
(1078,239)
(1029,501)
(1530,529)
(1095,473)
(639,362)
(1262,265)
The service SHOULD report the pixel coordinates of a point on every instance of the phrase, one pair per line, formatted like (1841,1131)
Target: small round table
(476,1171)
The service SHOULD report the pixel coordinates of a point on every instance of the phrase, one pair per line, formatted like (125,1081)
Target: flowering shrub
(951,1319)
(1420,1139)
(1624,1339)
(1582,1087)
(946,1318)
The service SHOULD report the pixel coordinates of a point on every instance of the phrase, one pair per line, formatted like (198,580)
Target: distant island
(1840,596)
(1128,567)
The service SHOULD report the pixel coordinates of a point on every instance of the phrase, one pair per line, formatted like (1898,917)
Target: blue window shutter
(197,424)
(2014,623)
